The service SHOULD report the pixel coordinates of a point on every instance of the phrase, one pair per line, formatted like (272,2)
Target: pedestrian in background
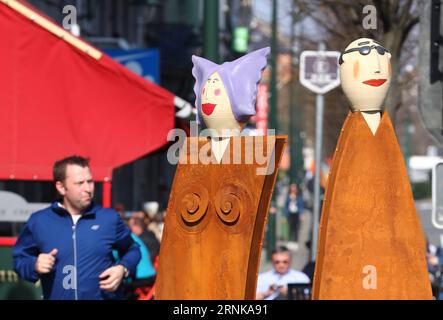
(139,227)
(154,218)
(273,284)
(293,211)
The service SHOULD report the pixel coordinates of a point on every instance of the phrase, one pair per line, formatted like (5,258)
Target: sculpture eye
(365,50)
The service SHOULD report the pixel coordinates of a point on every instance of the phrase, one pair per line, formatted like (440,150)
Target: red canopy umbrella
(60,96)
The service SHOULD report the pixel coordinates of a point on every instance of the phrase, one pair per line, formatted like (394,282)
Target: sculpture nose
(377,65)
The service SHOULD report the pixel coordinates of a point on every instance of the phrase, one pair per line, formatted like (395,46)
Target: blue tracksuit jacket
(84,251)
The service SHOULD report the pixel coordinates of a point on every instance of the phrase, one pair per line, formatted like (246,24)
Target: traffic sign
(319,71)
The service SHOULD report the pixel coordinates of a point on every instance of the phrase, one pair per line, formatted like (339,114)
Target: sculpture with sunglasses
(371,243)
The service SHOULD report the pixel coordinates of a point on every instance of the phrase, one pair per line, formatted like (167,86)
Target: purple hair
(240,78)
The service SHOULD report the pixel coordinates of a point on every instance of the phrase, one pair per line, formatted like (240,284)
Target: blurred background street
(151,42)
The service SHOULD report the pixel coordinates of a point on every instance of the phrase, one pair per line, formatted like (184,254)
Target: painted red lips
(375,82)
(208,108)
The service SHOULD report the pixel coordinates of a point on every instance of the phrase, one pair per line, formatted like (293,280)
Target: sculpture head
(365,72)
(226,93)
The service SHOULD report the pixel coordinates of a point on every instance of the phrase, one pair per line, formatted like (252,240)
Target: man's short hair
(59,169)
(281,249)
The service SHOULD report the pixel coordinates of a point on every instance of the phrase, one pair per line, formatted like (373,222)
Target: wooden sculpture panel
(215,223)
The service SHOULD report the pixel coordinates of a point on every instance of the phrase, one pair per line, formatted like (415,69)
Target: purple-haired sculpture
(240,78)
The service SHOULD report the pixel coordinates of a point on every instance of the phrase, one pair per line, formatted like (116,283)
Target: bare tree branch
(405,15)
(383,15)
(322,22)
(407,29)
(395,6)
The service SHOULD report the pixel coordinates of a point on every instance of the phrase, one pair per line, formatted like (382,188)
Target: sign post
(319,73)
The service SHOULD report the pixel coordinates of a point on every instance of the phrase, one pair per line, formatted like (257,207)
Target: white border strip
(434,196)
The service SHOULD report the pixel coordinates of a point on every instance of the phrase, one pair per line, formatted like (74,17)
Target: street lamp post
(295,116)
(210,30)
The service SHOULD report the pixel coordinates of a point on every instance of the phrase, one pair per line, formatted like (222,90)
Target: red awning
(56,100)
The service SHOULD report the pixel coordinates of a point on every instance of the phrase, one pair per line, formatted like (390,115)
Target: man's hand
(271,290)
(111,278)
(45,262)
(283,290)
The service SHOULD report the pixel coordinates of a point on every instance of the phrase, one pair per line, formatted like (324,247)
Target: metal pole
(319,102)
(192,13)
(273,121)
(273,124)
(293,123)
(296,113)
(107,193)
(407,143)
(318,146)
(210,30)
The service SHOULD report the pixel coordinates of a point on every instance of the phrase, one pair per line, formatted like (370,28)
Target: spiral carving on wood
(192,205)
(228,204)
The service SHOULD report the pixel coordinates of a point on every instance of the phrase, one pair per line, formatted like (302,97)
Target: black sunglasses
(365,50)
